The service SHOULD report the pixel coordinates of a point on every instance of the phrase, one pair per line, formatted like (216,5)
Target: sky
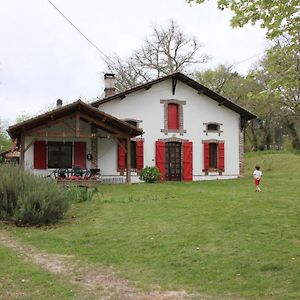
(43,58)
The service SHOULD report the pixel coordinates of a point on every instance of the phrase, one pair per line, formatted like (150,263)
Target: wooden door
(173,161)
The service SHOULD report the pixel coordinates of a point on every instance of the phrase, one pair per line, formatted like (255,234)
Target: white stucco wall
(145,105)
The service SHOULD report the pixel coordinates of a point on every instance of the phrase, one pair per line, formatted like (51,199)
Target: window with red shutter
(206,156)
(60,154)
(221,164)
(188,161)
(80,154)
(40,155)
(213,156)
(139,155)
(160,157)
(173,118)
(121,156)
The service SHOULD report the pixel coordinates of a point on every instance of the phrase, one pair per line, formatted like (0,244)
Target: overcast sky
(43,58)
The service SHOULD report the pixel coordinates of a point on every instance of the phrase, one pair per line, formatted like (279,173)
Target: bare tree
(165,51)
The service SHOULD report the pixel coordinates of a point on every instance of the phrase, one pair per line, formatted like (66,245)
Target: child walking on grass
(257,176)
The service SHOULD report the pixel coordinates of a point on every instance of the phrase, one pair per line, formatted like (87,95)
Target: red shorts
(257,181)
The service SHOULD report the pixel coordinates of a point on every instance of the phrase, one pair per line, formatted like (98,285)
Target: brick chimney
(59,103)
(109,85)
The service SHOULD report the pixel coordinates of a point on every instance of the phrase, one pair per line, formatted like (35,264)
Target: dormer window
(212,127)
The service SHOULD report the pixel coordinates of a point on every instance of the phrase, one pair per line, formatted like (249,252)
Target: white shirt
(257,174)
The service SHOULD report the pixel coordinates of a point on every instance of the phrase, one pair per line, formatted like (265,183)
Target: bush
(150,174)
(26,199)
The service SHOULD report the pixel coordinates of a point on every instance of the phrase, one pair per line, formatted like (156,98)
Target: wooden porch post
(22,154)
(128,160)
(94,147)
(77,124)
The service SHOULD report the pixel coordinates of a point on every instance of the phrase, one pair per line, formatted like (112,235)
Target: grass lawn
(217,238)
(20,280)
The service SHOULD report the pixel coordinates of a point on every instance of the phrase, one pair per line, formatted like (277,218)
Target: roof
(188,81)
(57,113)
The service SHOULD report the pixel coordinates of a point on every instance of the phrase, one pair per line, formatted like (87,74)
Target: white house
(185,129)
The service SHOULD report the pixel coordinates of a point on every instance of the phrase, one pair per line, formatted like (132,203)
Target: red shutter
(121,156)
(40,155)
(160,158)
(173,116)
(188,161)
(80,154)
(139,155)
(221,156)
(206,156)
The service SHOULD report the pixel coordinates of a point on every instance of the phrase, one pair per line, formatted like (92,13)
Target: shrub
(150,174)
(29,199)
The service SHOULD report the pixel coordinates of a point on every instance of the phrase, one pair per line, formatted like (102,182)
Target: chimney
(109,83)
(59,103)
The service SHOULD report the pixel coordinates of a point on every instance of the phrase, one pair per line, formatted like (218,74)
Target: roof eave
(15,131)
(190,82)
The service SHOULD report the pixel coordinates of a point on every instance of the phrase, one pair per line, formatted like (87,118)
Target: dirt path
(98,283)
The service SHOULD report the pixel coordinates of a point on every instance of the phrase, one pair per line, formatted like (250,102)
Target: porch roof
(112,125)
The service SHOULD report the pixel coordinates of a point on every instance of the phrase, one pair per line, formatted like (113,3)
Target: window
(173,117)
(212,127)
(213,156)
(136,157)
(133,154)
(214,159)
(59,155)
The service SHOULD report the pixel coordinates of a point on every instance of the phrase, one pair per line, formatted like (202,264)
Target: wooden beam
(29,145)
(56,134)
(94,148)
(49,134)
(22,154)
(128,161)
(51,123)
(69,126)
(100,124)
(121,145)
(77,123)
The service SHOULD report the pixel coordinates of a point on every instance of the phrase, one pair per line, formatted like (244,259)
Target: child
(257,175)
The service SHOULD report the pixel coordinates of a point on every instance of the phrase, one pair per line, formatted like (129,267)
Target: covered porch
(68,137)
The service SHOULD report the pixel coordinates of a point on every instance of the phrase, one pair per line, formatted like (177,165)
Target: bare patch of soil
(98,283)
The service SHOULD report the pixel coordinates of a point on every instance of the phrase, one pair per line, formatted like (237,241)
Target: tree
(279,73)
(165,51)
(222,80)
(5,141)
(280,18)
(249,93)
(23,117)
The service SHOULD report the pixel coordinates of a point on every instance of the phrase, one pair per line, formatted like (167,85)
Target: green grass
(217,238)
(20,280)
